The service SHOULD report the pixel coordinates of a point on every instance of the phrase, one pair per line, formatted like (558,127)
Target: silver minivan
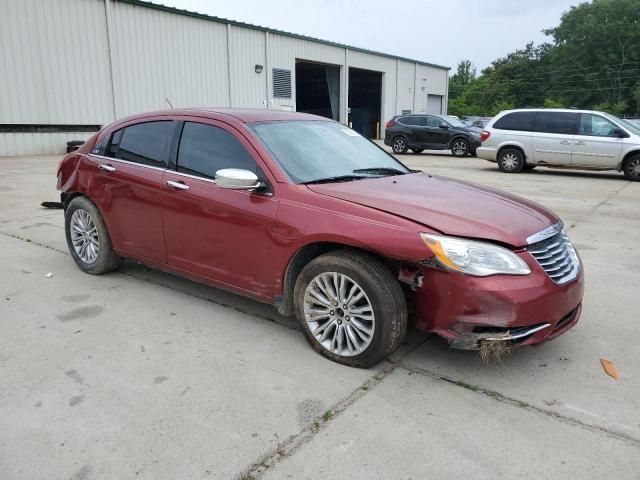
(520,140)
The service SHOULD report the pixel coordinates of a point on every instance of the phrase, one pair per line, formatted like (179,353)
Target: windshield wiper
(380,170)
(339,178)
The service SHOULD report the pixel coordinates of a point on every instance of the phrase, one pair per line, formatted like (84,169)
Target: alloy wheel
(399,145)
(84,236)
(339,314)
(459,148)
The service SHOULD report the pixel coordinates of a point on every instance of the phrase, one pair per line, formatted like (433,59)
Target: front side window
(205,149)
(147,143)
(434,122)
(555,122)
(311,151)
(596,126)
(520,121)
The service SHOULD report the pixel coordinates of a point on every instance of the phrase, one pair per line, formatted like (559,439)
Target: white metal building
(68,67)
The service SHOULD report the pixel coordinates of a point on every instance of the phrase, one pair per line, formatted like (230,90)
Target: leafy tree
(551,103)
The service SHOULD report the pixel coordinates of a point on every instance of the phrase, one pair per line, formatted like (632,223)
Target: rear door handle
(579,143)
(106,168)
(565,142)
(177,185)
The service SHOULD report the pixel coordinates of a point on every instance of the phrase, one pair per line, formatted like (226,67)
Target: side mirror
(444,126)
(620,133)
(237,179)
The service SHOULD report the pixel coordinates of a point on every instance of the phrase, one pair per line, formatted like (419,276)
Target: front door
(437,132)
(552,137)
(596,144)
(127,185)
(221,234)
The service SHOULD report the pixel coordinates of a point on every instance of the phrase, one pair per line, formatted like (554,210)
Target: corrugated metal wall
(87,62)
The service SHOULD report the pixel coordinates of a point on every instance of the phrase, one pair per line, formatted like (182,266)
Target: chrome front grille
(557,257)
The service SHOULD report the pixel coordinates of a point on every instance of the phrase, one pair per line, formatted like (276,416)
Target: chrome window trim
(188,175)
(545,233)
(126,162)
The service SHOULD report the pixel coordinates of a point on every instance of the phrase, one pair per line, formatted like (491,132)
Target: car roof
(561,110)
(244,115)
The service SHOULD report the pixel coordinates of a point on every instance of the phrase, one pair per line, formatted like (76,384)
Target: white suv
(581,139)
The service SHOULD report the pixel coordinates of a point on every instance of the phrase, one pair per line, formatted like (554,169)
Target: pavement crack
(499,397)
(293,443)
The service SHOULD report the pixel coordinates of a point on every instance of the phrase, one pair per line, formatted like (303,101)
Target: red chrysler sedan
(304,213)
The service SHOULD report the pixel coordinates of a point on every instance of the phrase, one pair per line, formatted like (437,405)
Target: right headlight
(474,258)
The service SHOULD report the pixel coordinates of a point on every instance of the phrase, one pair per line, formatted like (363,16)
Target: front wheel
(399,145)
(631,168)
(351,308)
(88,239)
(460,147)
(511,160)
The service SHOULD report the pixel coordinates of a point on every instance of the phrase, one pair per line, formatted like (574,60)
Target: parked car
(520,140)
(480,123)
(303,213)
(420,132)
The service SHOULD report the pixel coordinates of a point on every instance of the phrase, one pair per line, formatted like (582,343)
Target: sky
(443,32)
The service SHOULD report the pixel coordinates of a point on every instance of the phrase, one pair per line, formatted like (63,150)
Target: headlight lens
(474,258)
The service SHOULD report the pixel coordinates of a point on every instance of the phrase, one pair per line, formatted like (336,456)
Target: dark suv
(430,132)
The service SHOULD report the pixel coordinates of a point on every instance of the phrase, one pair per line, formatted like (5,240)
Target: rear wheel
(511,160)
(399,145)
(88,239)
(632,168)
(417,150)
(460,147)
(351,308)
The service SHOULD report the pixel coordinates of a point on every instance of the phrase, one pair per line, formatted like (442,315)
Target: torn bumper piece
(471,341)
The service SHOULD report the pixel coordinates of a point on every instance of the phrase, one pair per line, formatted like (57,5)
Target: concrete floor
(143,374)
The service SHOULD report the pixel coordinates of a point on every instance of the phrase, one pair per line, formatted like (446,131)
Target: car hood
(452,207)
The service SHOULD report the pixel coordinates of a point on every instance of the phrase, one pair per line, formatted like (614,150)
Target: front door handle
(177,185)
(579,143)
(106,168)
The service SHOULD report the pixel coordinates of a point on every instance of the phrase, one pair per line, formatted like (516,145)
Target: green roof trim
(212,18)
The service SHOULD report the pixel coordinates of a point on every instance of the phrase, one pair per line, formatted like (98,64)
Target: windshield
(454,122)
(625,123)
(310,151)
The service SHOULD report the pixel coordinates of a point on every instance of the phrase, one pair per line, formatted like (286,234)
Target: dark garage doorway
(365,101)
(318,89)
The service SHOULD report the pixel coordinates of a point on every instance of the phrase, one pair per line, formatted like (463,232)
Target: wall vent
(281,83)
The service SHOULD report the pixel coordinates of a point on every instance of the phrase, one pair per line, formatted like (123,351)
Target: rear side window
(556,122)
(595,126)
(205,149)
(522,121)
(413,121)
(146,143)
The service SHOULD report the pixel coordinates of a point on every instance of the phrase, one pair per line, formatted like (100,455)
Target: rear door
(595,143)
(126,187)
(552,138)
(221,234)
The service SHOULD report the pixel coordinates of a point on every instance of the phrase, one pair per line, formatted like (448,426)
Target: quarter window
(595,126)
(112,148)
(146,143)
(413,121)
(205,149)
(522,121)
(555,122)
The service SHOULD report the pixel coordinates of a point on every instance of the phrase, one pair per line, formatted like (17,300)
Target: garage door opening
(318,89)
(365,101)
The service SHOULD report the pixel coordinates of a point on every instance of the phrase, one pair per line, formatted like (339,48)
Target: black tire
(382,292)
(417,150)
(511,160)
(399,144)
(460,147)
(472,153)
(106,259)
(631,168)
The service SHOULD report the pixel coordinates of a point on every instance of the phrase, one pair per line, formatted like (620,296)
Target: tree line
(592,62)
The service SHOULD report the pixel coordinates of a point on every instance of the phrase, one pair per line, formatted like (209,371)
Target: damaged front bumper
(516,310)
